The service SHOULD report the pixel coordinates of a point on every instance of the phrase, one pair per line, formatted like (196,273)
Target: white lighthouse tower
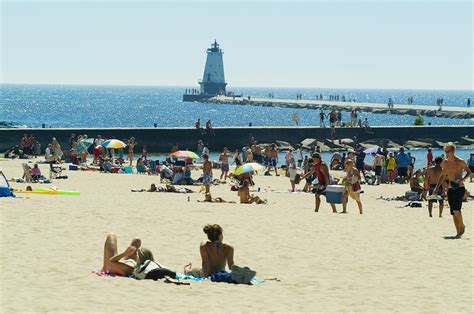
(213,81)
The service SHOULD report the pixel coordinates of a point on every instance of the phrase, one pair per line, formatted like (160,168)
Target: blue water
(119,106)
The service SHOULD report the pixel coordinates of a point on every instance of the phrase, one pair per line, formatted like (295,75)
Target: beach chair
(54,172)
(27,172)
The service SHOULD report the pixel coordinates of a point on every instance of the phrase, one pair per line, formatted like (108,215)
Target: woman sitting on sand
(246,197)
(124,263)
(214,254)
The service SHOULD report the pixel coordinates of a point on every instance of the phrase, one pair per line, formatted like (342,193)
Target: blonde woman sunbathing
(124,263)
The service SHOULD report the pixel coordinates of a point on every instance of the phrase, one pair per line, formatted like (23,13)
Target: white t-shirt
(167,171)
(299,152)
(47,153)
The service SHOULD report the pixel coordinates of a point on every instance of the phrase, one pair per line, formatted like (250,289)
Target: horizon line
(197,87)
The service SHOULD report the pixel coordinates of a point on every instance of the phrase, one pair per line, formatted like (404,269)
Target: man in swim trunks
(452,171)
(207,173)
(321,170)
(224,159)
(272,155)
(379,160)
(431,178)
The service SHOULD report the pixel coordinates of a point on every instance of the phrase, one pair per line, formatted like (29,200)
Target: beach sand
(388,260)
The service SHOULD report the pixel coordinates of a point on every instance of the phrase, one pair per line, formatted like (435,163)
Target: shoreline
(162,139)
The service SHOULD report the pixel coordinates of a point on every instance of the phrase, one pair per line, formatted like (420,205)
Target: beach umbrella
(372,150)
(84,144)
(116,144)
(184,154)
(248,167)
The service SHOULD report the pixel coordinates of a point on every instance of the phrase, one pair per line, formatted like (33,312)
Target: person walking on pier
(468,102)
(209,127)
(321,119)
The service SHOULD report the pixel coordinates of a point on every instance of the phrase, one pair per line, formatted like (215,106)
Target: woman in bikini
(131,145)
(123,264)
(215,254)
(352,184)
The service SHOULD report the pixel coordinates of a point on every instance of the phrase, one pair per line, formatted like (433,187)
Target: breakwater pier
(400,109)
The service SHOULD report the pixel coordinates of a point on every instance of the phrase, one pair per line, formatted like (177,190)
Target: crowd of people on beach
(426,182)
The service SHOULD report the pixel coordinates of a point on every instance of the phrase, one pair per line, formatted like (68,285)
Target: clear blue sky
(337,44)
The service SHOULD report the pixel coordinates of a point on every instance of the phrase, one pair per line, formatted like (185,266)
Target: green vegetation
(419,120)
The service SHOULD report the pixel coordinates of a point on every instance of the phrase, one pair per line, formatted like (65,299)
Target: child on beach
(131,145)
(224,159)
(391,164)
(292,171)
(352,184)
(207,173)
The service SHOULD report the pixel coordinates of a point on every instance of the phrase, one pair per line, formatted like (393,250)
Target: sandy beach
(389,259)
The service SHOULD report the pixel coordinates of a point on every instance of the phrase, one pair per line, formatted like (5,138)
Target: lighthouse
(213,81)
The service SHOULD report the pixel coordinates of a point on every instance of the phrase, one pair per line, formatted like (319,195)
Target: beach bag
(152,270)
(242,275)
(222,276)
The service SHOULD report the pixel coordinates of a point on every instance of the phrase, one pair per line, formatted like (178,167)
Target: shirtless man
(379,160)
(224,159)
(431,178)
(207,173)
(272,155)
(452,170)
(215,254)
(321,170)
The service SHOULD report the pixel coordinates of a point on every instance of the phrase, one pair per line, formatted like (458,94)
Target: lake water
(120,106)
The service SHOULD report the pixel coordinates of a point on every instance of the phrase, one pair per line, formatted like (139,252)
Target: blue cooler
(334,194)
(73,167)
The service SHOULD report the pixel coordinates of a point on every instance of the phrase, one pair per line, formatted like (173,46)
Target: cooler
(334,194)
(73,167)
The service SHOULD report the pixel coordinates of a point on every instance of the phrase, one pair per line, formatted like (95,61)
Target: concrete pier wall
(162,139)
(413,110)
